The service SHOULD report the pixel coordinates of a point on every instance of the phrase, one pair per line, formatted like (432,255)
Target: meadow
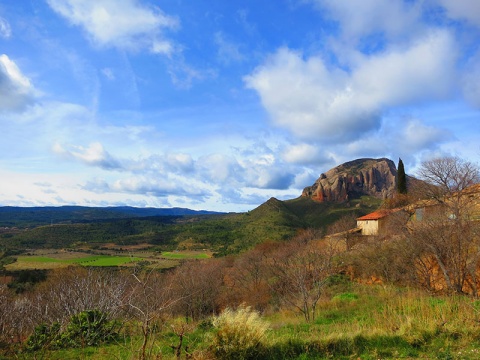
(52,259)
(358,322)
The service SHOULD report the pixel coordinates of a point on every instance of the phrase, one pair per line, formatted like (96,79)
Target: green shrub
(44,337)
(89,328)
(239,334)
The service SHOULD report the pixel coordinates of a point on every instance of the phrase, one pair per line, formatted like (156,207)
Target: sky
(220,105)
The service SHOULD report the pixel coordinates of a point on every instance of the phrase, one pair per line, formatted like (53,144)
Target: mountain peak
(372,177)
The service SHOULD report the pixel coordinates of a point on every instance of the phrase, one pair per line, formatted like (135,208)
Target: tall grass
(239,334)
(364,321)
(382,322)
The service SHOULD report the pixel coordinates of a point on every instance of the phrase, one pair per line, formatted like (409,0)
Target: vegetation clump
(87,328)
(239,334)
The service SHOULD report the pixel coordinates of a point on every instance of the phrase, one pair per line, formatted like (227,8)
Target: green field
(52,259)
(184,255)
(105,260)
(45,262)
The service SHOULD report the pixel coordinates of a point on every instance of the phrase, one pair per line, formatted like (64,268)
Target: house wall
(369,227)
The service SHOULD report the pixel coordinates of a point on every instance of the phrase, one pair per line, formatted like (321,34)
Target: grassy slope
(355,322)
(320,215)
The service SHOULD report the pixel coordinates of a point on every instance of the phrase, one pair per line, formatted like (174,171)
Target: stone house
(374,223)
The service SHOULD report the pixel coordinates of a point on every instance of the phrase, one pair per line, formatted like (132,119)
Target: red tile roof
(376,215)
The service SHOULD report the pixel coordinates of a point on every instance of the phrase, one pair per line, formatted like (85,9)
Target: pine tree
(401,178)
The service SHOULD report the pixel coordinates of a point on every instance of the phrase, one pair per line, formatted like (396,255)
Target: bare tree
(345,223)
(148,298)
(452,244)
(70,291)
(446,179)
(247,278)
(447,232)
(197,285)
(300,271)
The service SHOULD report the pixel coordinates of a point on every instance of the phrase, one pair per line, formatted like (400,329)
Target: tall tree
(401,178)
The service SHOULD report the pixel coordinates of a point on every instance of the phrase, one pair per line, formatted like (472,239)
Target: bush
(87,328)
(44,337)
(239,334)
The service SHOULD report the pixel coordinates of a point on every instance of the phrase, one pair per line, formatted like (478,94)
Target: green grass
(183,256)
(104,260)
(94,260)
(367,322)
(40,259)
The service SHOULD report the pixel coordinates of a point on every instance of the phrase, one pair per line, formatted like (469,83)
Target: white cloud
(416,136)
(423,71)
(159,187)
(218,168)
(305,96)
(405,138)
(120,23)
(471,81)
(272,178)
(93,155)
(317,101)
(162,47)
(5,30)
(16,90)
(468,10)
(180,162)
(184,75)
(228,51)
(393,18)
(305,154)
(108,73)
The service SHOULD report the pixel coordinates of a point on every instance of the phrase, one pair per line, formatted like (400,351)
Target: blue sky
(220,104)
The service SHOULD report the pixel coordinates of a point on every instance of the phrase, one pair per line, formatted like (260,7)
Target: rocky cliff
(373,177)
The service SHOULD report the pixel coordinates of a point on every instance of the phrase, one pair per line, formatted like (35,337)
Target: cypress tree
(401,178)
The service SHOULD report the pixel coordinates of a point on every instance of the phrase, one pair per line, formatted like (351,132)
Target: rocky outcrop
(373,177)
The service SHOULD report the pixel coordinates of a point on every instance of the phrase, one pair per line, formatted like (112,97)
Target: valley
(290,279)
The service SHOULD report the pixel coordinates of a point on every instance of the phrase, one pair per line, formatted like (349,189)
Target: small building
(374,223)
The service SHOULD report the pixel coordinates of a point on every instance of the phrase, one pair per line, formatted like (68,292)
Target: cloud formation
(305,154)
(408,137)
(160,187)
(468,10)
(119,23)
(315,100)
(16,90)
(93,155)
(117,124)
(394,18)
(5,30)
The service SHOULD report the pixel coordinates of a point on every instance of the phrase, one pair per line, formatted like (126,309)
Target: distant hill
(352,189)
(11,216)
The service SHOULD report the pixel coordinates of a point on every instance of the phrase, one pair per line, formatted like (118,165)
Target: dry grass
(238,333)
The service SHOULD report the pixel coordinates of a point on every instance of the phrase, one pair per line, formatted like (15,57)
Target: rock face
(373,177)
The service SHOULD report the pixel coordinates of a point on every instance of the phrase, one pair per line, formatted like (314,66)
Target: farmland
(45,259)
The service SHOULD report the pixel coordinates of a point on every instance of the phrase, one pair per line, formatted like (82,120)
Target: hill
(274,220)
(12,216)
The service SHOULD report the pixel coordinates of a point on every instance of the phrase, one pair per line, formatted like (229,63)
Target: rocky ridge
(372,177)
